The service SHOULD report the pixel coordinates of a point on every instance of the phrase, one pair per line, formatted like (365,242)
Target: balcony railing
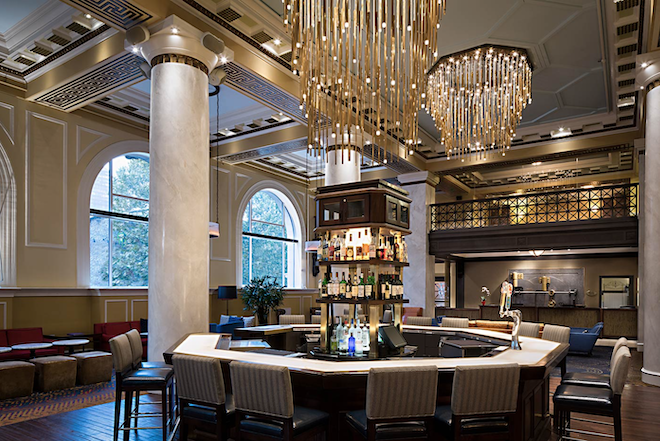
(617,201)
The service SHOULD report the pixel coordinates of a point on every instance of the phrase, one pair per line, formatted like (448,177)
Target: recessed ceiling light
(561,132)
(87,16)
(644,65)
(135,50)
(537,163)
(223,59)
(277,42)
(175,30)
(536,253)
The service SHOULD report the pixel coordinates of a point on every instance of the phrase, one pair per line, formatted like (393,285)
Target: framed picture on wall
(440,291)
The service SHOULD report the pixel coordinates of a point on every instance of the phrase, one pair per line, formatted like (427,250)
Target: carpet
(41,404)
(597,363)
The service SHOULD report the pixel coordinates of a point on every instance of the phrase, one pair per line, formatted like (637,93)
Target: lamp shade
(227,292)
(214,230)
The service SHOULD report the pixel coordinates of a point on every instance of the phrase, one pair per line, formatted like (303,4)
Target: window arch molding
(7,222)
(84,193)
(299,226)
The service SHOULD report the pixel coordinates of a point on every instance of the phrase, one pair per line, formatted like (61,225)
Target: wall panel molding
(133,306)
(86,139)
(4,314)
(105,307)
(31,119)
(7,120)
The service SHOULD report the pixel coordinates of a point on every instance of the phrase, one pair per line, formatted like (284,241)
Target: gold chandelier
(362,66)
(476,99)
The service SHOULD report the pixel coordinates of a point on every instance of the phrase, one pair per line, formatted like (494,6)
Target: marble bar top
(535,352)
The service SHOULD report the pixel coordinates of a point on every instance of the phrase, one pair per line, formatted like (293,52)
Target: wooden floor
(641,419)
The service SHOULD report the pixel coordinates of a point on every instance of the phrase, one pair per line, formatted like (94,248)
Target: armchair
(583,340)
(227,328)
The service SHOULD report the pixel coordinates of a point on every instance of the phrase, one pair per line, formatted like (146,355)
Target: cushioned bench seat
(93,367)
(54,373)
(16,379)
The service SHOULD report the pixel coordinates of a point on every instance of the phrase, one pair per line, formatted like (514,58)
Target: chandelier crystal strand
(362,66)
(476,99)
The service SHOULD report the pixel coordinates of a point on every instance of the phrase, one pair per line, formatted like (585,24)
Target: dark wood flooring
(641,419)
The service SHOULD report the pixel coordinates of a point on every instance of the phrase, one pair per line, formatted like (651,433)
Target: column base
(651,377)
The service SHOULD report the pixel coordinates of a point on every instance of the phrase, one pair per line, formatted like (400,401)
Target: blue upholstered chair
(583,340)
(227,328)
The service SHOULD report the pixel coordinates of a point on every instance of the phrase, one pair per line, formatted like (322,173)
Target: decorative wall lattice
(618,201)
(121,13)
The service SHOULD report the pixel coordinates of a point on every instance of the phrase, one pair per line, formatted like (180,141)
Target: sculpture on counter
(505,311)
(552,302)
(485,293)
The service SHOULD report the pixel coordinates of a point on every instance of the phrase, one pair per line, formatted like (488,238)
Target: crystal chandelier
(362,66)
(476,99)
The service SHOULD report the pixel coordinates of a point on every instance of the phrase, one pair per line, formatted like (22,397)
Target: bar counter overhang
(337,387)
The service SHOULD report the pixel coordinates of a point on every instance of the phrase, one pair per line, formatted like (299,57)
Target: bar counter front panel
(338,387)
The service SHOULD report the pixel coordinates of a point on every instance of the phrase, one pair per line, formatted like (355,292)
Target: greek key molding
(180,59)
(90,86)
(121,13)
(652,85)
(262,152)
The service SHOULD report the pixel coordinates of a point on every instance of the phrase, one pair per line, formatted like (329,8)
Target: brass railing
(617,201)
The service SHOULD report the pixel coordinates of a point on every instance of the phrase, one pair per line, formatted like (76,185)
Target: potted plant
(262,295)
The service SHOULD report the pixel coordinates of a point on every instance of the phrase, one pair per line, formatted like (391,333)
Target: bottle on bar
(385,288)
(342,286)
(365,339)
(404,251)
(333,342)
(335,286)
(339,244)
(373,246)
(361,288)
(342,248)
(358,247)
(323,287)
(325,248)
(397,249)
(351,339)
(356,287)
(369,287)
(319,250)
(350,249)
(358,339)
(349,287)
(331,248)
(345,337)
(381,249)
(365,245)
(340,336)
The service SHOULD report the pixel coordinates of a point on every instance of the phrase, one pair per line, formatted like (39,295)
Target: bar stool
(529,329)
(483,403)
(594,380)
(455,322)
(559,334)
(419,321)
(400,404)
(285,319)
(202,400)
(136,347)
(264,405)
(593,401)
(129,381)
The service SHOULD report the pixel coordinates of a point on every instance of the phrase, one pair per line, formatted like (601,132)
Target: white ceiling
(562,38)
(13,11)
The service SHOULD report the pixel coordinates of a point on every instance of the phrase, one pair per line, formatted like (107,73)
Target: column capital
(421,177)
(175,40)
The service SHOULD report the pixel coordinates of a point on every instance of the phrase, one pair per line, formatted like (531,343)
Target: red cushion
(117,328)
(99,328)
(25,335)
(3,338)
(15,355)
(135,325)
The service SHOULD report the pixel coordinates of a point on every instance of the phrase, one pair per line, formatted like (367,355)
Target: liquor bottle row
(350,340)
(354,245)
(388,287)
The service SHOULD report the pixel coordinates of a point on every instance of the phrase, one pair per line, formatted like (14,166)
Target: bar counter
(337,387)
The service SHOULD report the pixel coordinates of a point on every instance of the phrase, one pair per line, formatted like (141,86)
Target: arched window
(270,240)
(119,223)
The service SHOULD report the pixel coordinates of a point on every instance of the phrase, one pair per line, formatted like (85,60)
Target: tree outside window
(119,223)
(269,240)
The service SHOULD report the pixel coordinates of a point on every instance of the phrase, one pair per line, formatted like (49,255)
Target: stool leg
(163,408)
(137,408)
(128,408)
(618,435)
(115,434)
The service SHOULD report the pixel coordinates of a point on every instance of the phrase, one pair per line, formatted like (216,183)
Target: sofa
(11,337)
(103,332)
(228,324)
(583,340)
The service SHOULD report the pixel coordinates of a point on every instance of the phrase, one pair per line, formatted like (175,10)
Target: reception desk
(337,387)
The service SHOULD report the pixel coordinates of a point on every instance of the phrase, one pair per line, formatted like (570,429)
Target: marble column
(179,183)
(640,248)
(419,277)
(340,169)
(649,260)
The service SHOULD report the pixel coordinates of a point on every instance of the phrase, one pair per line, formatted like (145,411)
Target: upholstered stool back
(292,319)
(479,390)
(620,367)
(529,329)
(122,356)
(199,378)
(316,319)
(136,346)
(455,322)
(387,316)
(419,321)
(623,341)
(559,334)
(262,388)
(402,393)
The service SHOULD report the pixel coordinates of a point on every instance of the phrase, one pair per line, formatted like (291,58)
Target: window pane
(246,219)
(267,259)
(130,177)
(267,229)
(246,260)
(130,246)
(100,199)
(99,250)
(266,207)
(135,207)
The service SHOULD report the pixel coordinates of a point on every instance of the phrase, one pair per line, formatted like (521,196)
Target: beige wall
(49,152)
(491,274)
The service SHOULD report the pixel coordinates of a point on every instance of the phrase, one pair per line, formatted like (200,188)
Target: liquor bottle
(397,288)
(358,340)
(388,249)
(385,288)
(351,339)
(358,247)
(397,250)
(335,286)
(355,287)
(321,287)
(382,251)
(350,249)
(366,339)
(325,249)
(361,289)
(342,251)
(319,250)
(342,286)
(404,251)
(349,287)
(331,249)
(365,245)
(369,287)
(339,244)
(345,337)
(340,337)
(373,246)
(333,342)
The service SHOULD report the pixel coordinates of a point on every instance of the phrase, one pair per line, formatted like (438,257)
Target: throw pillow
(224,319)
(248,321)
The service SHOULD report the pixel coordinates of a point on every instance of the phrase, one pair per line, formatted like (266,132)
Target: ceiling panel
(586,92)
(533,22)
(577,43)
